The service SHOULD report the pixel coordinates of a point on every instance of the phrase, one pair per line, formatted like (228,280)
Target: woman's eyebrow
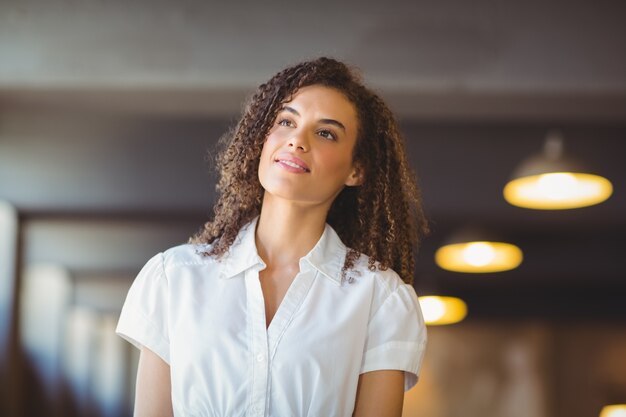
(323,121)
(291,110)
(333,122)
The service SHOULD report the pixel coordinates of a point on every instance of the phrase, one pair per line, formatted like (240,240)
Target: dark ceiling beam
(574,302)
(417,104)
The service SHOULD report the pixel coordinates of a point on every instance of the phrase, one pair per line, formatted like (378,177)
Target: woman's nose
(299,141)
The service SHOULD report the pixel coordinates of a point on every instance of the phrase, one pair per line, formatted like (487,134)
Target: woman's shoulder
(384,280)
(386,294)
(364,268)
(187,254)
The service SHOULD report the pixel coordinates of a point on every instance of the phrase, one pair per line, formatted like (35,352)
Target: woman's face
(307,155)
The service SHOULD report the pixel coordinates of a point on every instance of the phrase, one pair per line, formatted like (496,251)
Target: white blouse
(206,319)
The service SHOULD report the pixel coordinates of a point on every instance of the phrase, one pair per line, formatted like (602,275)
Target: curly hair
(382,218)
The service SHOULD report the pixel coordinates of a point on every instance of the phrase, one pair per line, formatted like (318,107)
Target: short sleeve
(396,336)
(144,317)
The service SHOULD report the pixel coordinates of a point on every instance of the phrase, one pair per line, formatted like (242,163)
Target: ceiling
(107,112)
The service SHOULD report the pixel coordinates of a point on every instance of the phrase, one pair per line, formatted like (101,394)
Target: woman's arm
(153,392)
(379,394)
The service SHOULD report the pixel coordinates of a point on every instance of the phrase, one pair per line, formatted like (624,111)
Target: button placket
(259,345)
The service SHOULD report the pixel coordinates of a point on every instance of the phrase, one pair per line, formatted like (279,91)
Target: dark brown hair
(381,218)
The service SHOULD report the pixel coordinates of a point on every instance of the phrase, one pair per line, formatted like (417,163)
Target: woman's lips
(292,164)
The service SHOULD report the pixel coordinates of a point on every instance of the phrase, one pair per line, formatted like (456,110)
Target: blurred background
(109,112)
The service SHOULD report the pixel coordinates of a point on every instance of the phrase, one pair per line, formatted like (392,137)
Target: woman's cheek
(335,161)
(277,134)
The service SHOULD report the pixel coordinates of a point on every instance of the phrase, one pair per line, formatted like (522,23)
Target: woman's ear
(356,177)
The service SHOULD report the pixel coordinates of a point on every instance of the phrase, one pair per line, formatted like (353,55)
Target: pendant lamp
(552,181)
(440,310)
(614,410)
(474,250)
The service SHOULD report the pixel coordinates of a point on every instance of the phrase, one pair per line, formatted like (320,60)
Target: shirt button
(260,357)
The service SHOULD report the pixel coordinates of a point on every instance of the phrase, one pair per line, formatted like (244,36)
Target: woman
(287,303)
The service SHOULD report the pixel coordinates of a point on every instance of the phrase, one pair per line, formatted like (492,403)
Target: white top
(206,319)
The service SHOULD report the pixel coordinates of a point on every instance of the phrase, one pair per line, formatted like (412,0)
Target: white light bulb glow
(433,309)
(557,186)
(479,254)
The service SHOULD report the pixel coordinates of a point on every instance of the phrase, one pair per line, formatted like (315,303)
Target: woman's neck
(286,231)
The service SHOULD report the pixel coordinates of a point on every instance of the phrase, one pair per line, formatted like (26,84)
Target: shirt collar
(242,254)
(327,256)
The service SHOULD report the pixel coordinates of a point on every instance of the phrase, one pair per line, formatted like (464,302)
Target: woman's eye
(327,134)
(285,122)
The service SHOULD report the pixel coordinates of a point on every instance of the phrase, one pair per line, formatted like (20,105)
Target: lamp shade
(474,250)
(551,181)
(614,410)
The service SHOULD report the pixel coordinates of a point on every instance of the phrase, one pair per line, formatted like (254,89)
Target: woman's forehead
(324,101)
